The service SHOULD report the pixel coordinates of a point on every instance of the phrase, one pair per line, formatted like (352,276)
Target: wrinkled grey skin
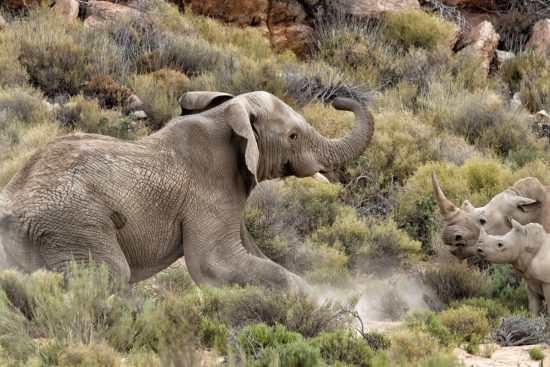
(527,201)
(139,206)
(526,248)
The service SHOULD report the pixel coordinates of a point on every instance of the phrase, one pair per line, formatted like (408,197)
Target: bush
(427,321)
(415,28)
(465,322)
(527,74)
(495,310)
(160,100)
(536,354)
(214,335)
(454,281)
(343,346)
(89,355)
(109,93)
(507,285)
(85,115)
(414,346)
(12,72)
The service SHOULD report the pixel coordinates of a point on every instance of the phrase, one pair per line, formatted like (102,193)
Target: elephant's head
(278,142)
(462,225)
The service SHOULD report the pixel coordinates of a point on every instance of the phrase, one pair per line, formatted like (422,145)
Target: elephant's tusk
(319,177)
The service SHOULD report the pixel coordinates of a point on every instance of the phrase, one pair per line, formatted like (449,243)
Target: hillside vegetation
(434,110)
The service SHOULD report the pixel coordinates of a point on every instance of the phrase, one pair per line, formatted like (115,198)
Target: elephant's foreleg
(215,255)
(249,244)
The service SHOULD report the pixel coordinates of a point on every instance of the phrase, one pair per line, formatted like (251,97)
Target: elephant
(137,207)
(527,249)
(527,201)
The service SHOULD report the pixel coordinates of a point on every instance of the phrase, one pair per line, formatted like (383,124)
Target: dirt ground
(505,357)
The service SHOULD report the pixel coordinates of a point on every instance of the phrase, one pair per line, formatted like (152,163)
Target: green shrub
(507,285)
(12,72)
(298,354)
(90,355)
(161,102)
(473,344)
(377,341)
(536,354)
(415,345)
(528,73)
(343,346)
(465,322)
(85,115)
(415,28)
(214,334)
(427,321)
(522,156)
(494,308)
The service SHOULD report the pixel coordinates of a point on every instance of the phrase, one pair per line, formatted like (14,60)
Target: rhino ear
(240,116)
(196,102)
(518,227)
(467,206)
(526,204)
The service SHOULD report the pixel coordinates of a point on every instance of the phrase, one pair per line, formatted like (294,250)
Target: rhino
(527,249)
(527,201)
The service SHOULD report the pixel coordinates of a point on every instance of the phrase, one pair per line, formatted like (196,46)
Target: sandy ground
(505,357)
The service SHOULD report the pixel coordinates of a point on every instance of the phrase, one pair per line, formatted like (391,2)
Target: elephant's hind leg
(85,243)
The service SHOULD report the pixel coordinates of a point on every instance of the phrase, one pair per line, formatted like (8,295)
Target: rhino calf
(526,248)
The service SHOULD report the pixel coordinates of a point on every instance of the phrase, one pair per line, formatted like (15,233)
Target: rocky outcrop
(540,38)
(241,12)
(19,4)
(366,8)
(482,41)
(97,12)
(66,10)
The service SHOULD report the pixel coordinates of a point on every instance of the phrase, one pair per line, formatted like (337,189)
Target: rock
(482,41)
(469,4)
(296,37)
(241,12)
(66,10)
(540,38)
(2,23)
(132,103)
(97,12)
(542,117)
(502,56)
(138,115)
(367,8)
(20,4)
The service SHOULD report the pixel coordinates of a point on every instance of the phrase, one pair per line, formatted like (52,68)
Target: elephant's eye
(482,221)
(499,245)
(293,136)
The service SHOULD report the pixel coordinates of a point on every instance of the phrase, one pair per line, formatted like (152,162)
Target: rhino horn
(446,207)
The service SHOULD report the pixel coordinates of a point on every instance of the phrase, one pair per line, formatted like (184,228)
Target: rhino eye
(499,244)
(482,221)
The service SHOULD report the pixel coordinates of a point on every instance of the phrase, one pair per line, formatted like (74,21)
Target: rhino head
(461,225)
(517,244)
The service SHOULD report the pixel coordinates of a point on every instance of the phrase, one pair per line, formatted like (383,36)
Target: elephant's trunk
(336,152)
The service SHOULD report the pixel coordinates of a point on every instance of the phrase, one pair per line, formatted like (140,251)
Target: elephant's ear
(196,102)
(240,117)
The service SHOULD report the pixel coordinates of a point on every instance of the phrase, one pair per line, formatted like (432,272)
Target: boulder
(66,10)
(296,37)
(97,12)
(20,4)
(367,8)
(2,23)
(131,104)
(482,41)
(241,12)
(540,38)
